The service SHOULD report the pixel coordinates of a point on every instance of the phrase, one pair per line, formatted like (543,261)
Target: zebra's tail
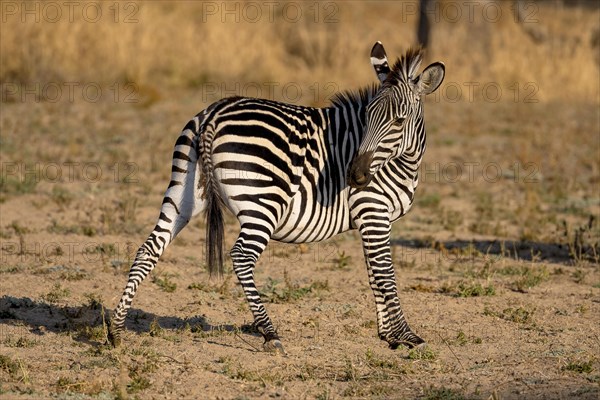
(214,231)
(213,207)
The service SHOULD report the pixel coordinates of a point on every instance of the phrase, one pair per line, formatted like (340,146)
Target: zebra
(300,174)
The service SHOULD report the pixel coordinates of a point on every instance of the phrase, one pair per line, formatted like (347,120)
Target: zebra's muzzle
(359,174)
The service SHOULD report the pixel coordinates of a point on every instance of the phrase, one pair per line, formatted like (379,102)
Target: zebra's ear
(430,79)
(379,62)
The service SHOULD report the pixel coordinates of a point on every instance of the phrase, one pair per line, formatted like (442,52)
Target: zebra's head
(394,116)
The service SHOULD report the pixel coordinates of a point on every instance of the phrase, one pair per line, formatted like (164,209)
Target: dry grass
(158,45)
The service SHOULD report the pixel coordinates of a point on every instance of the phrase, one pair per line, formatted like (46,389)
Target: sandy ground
(487,268)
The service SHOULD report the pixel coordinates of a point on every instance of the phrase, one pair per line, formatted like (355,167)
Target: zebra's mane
(362,96)
(406,67)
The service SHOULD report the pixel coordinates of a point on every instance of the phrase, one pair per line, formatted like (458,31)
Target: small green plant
(164,282)
(461,338)
(86,229)
(16,369)
(341,261)
(581,309)
(8,365)
(106,249)
(56,294)
(579,367)
(93,333)
(291,291)
(579,275)
(73,274)
(69,385)
(349,374)
(137,384)
(518,315)
(146,362)
(18,186)
(94,301)
(370,324)
(424,353)
(584,241)
(21,342)
(474,290)
(18,228)
(528,277)
(155,329)
(61,196)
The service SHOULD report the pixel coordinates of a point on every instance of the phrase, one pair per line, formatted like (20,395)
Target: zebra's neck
(344,132)
(345,122)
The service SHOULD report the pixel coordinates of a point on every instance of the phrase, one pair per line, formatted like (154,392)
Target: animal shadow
(40,317)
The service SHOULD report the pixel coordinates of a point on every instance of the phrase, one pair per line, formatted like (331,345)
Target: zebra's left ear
(379,62)
(430,79)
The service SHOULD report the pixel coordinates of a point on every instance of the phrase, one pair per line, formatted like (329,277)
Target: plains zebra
(300,174)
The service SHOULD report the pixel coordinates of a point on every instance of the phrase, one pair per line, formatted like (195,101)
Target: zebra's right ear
(379,62)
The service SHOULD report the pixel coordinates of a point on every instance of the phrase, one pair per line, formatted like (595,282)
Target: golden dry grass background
(161,44)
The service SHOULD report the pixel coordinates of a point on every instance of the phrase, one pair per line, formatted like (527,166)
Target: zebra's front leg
(244,254)
(392,325)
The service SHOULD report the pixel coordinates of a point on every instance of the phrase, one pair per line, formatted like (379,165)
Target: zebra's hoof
(114,339)
(416,343)
(274,346)
(413,343)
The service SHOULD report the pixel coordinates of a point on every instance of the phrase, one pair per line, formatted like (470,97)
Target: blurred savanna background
(497,264)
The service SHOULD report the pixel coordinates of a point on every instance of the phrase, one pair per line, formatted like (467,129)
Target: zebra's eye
(399,120)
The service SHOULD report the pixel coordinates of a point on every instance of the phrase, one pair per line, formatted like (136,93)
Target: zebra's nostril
(360,178)
(359,174)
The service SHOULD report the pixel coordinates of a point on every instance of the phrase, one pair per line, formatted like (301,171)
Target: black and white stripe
(299,174)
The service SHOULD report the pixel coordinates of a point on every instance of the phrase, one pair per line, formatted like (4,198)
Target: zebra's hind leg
(145,261)
(245,253)
(181,202)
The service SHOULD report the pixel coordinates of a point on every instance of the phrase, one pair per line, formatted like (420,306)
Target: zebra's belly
(312,220)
